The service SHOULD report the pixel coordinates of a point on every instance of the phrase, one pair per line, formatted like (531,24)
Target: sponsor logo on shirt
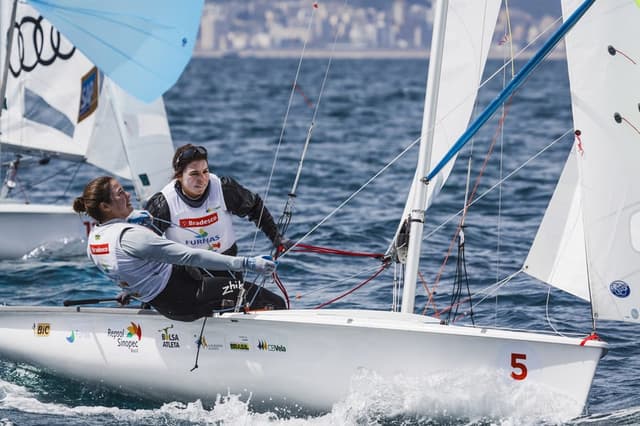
(197,222)
(99,248)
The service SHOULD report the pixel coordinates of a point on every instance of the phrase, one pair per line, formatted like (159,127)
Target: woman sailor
(159,271)
(196,207)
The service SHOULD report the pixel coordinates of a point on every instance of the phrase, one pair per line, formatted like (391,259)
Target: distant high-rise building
(398,12)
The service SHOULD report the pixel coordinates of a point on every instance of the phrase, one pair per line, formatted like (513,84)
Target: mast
(7,53)
(416,216)
(4,190)
(513,85)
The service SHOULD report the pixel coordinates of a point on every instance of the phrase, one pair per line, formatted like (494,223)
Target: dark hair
(96,192)
(185,155)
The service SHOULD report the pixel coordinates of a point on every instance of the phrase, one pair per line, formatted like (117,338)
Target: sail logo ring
(37,42)
(620,289)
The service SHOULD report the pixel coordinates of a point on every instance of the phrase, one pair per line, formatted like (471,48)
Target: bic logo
(42,329)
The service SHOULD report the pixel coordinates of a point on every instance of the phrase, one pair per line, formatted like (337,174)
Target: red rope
(592,336)
(382,268)
(282,288)
(306,248)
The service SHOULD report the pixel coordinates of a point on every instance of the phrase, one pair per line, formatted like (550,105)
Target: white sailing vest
(141,278)
(206,227)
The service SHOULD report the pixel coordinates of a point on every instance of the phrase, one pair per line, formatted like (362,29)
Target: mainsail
(469,30)
(462,38)
(603,56)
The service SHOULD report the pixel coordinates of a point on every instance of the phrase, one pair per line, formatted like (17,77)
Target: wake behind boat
(312,357)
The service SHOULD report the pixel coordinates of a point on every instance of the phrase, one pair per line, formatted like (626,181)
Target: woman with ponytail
(158,271)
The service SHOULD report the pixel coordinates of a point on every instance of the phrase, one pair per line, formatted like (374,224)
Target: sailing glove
(140,217)
(260,264)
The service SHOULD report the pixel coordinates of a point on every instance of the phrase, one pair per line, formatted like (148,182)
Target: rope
(335,283)
(306,248)
(466,207)
(382,268)
(354,194)
(492,289)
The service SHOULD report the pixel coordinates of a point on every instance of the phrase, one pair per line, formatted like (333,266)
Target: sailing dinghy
(311,358)
(58,106)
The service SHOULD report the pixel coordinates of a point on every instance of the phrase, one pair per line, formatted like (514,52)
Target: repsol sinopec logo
(263,345)
(127,337)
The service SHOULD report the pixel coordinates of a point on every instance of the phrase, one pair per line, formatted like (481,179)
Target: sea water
(370,112)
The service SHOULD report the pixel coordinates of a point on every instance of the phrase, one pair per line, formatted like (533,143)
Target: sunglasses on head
(190,154)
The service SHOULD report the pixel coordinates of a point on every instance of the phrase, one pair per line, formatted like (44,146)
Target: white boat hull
(27,227)
(306,358)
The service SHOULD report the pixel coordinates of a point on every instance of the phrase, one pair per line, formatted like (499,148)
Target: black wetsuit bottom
(190,295)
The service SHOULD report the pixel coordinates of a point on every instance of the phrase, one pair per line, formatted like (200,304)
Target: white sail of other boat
(59,105)
(591,231)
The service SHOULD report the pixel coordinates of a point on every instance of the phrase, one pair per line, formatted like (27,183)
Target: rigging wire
(498,131)
(284,123)
(507,177)
(285,219)
(353,195)
(463,211)
(546,312)
(294,86)
(412,144)
(501,157)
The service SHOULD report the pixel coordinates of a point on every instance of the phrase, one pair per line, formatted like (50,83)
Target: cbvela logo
(198,222)
(263,345)
(127,338)
(169,340)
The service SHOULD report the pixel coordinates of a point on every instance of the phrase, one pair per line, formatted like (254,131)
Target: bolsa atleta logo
(169,340)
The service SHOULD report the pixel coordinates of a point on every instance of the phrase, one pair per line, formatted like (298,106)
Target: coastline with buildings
(374,30)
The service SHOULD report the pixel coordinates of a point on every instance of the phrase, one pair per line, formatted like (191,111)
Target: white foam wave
(445,398)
